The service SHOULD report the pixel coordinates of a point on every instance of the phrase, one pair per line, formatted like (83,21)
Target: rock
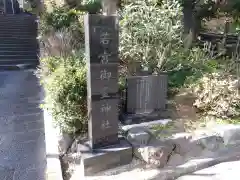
(230,133)
(155,154)
(146,125)
(74,147)
(207,153)
(175,160)
(183,143)
(76,144)
(211,142)
(71,163)
(236,84)
(195,151)
(138,136)
(64,141)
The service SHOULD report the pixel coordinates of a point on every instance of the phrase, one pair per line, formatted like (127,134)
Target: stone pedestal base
(127,119)
(97,160)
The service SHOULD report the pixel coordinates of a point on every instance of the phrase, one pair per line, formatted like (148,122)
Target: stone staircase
(18,41)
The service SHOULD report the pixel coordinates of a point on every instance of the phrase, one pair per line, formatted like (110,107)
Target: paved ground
(22,140)
(222,171)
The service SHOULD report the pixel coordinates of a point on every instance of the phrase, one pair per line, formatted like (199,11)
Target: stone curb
(54,169)
(192,166)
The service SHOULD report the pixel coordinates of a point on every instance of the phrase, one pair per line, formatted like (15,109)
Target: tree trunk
(188,16)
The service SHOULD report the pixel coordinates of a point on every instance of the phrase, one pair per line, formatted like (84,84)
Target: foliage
(62,73)
(90,6)
(147,38)
(34,4)
(61,43)
(66,92)
(232,7)
(217,94)
(67,23)
(60,17)
(156,43)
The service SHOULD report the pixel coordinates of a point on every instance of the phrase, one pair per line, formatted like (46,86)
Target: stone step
(17,57)
(15,37)
(18,32)
(27,28)
(12,67)
(19,16)
(19,53)
(13,26)
(16,21)
(19,62)
(18,29)
(8,37)
(30,26)
(18,38)
(19,41)
(32,96)
(19,48)
(9,44)
(19,110)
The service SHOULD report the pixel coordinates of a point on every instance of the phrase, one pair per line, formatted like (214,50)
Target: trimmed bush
(150,34)
(62,18)
(217,95)
(66,92)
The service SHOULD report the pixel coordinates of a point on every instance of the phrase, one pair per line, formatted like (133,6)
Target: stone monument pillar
(105,149)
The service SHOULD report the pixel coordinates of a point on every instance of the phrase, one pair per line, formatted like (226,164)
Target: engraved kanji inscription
(104,58)
(105,75)
(105,108)
(104,93)
(105,38)
(105,124)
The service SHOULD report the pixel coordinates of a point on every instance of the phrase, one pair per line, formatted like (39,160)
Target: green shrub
(150,34)
(62,18)
(66,92)
(61,43)
(217,95)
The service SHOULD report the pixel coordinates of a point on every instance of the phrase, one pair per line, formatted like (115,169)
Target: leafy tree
(195,11)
